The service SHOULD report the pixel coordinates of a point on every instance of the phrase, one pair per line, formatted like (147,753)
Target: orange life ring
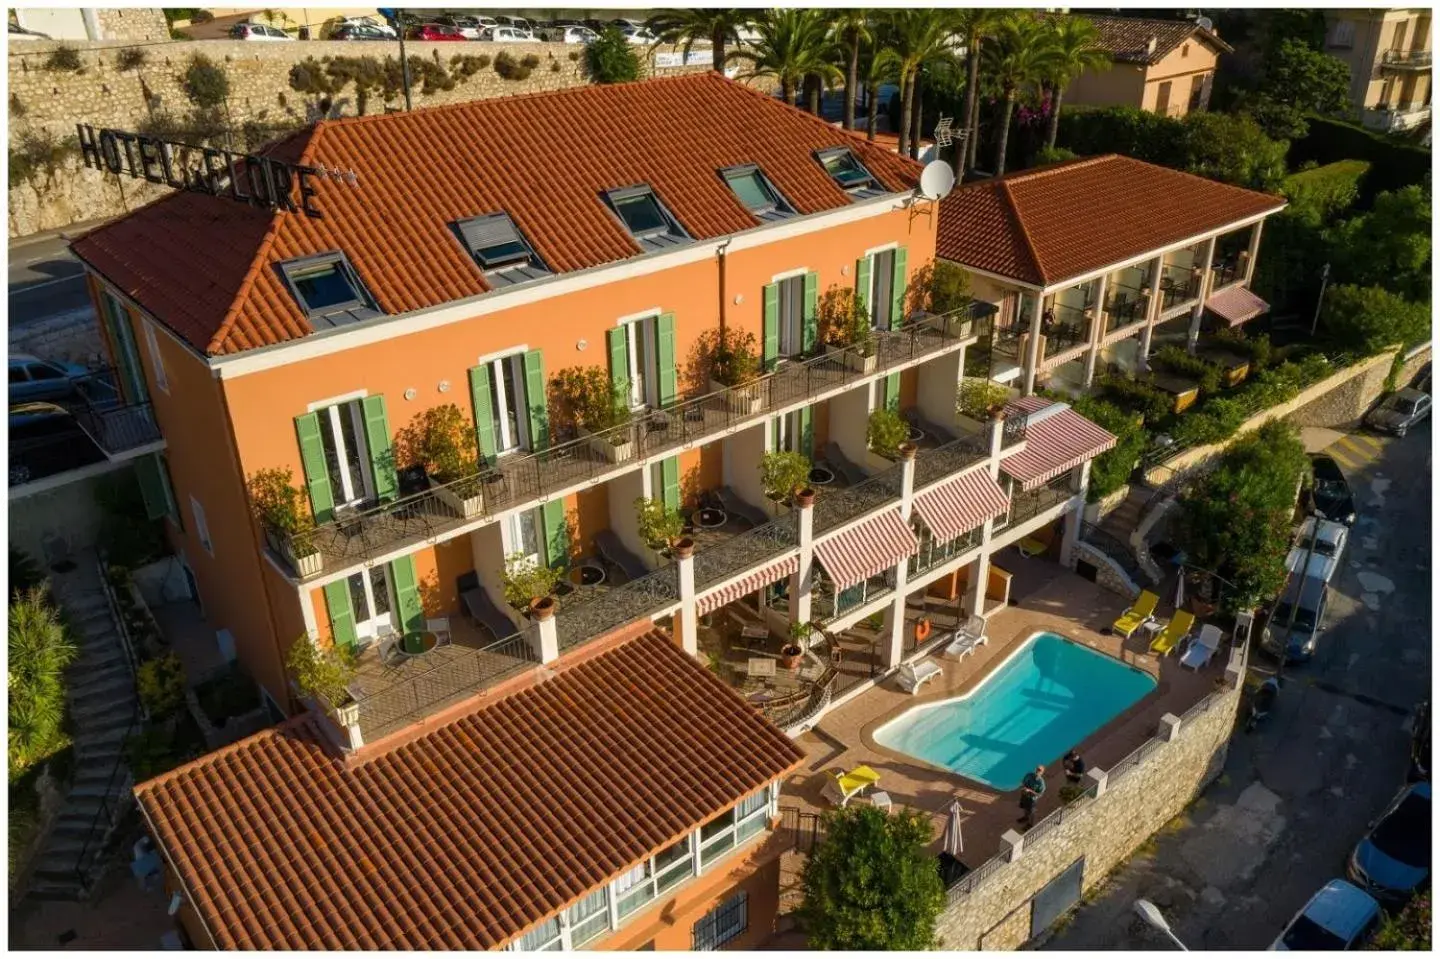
(922,630)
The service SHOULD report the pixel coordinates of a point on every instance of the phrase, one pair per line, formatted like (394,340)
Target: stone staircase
(102,707)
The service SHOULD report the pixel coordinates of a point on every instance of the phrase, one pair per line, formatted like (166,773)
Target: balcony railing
(1024,506)
(749,550)
(598,613)
(1125,309)
(1407,59)
(367,534)
(836,509)
(932,554)
(1068,329)
(1178,284)
(1225,272)
(931,466)
(119,429)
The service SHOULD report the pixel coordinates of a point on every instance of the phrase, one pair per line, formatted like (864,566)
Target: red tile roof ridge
(1012,210)
(295,722)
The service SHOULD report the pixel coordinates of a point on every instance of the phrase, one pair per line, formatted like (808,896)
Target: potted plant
(324,675)
(659,526)
(794,651)
(974,401)
(782,473)
(885,432)
(589,402)
(442,441)
(528,583)
(940,292)
(732,363)
(844,327)
(284,515)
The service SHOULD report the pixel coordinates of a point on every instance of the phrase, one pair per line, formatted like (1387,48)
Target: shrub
(1409,930)
(658,525)
(322,673)
(40,151)
(442,440)
(466,66)
(1216,421)
(130,539)
(728,357)
(510,68)
(131,58)
(842,320)
(161,684)
(782,473)
(205,82)
(1321,194)
(1154,404)
(1393,162)
(525,580)
(25,575)
(939,287)
(39,650)
(530,61)
(977,396)
(610,58)
(554,66)
(584,397)
(230,694)
(1052,155)
(1371,319)
(64,59)
(1204,372)
(277,502)
(885,432)
(1111,470)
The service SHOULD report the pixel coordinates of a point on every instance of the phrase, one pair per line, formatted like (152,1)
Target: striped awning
(860,552)
(1057,439)
(957,506)
(747,585)
(1236,305)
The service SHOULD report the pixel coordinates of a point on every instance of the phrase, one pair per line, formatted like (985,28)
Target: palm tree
(852,30)
(717,26)
(792,45)
(39,650)
(916,37)
(875,70)
(1019,56)
(976,25)
(1077,49)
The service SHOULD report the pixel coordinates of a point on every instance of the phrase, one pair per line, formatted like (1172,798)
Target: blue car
(32,378)
(1339,916)
(1393,860)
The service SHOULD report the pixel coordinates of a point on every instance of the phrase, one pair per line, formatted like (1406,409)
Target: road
(45,280)
(1298,793)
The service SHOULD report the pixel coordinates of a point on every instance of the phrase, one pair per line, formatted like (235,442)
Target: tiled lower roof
(1057,222)
(472,834)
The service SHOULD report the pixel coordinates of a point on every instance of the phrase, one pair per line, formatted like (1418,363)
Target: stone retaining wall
(1108,573)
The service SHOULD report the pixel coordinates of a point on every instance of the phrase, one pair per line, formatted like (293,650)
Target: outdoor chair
(726,500)
(1137,615)
(840,787)
(967,638)
(1200,652)
(1175,630)
(914,675)
(614,552)
(841,464)
(441,629)
(387,643)
(480,608)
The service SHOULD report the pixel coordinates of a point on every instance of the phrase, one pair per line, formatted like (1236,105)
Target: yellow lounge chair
(1175,630)
(1135,617)
(843,787)
(1030,546)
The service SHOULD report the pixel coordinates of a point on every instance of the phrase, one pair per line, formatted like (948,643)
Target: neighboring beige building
(1167,66)
(1389,56)
(141,24)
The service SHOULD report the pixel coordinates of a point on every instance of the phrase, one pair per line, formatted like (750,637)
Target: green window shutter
(665,356)
(132,377)
(382,460)
(771,330)
(897,290)
(342,614)
(619,361)
(484,413)
(670,477)
(862,283)
(312,457)
(407,595)
(535,400)
(892,392)
(812,298)
(807,431)
(557,538)
(152,486)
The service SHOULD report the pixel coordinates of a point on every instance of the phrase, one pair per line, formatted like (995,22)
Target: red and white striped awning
(1057,439)
(1236,305)
(860,552)
(957,506)
(747,585)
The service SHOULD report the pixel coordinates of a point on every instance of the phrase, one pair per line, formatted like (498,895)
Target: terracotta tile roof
(1049,224)
(206,266)
(1128,38)
(465,838)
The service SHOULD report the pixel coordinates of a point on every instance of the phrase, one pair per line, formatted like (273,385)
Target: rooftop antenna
(1205,23)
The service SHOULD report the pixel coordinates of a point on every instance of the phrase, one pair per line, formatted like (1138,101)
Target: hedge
(1324,192)
(1393,163)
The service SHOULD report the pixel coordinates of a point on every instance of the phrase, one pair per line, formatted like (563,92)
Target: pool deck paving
(1045,597)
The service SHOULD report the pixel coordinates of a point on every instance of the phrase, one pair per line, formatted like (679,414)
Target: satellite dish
(936,180)
(1204,23)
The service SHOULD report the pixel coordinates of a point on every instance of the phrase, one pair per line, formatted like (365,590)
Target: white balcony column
(979,573)
(547,636)
(1075,516)
(997,440)
(1032,351)
(688,615)
(894,627)
(1253,252)
(1152,315)
(1203,294)
(1098,325)
(802,581)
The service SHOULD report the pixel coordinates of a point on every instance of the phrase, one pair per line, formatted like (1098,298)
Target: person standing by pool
(1031,789)
(1074,767)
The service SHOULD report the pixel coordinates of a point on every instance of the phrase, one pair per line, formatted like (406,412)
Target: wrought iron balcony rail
(1178,284)
(932,554)
(1065,335)
(1407,58)
(931,466)
(366,534)
(837,508)
(1225,272)
(600,612)
(1130,310)
(746,551)
(1024,506)
(119,429)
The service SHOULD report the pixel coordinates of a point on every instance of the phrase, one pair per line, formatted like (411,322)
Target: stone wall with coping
(1096,512)
(1108,574)
(136,24)
(1139,795)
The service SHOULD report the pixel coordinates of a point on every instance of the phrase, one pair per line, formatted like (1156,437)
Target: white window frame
(369,626)
(792,327)
(329,411)
(162,379)
(870,299)
(512,537)
(642,330)
(500,403)
(202,528)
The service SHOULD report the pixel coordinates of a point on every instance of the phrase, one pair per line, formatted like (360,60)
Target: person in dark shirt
(1031,789)
(1074,767)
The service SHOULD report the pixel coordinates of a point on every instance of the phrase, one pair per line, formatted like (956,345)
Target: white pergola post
(895,613)
(1032,352)
(1152,315)
(688,616)
(802,582)
(1203,294)
(1098,325)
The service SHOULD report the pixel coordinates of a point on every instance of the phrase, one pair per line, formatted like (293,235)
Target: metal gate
(1059,894)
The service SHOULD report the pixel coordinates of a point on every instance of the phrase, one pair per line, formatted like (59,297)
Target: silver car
(1399,411)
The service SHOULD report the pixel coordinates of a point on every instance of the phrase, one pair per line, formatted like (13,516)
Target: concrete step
(101,787)
(47,890)
(106,736)
(97,658)
(97,707)
(99,682)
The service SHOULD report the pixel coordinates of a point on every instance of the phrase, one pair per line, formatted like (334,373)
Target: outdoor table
(754,634)
(418,644)
(881,800)
(710,518)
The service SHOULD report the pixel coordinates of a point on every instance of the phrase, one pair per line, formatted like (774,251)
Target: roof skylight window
(501,249)
(756,192)
(328,289)
(646,217)
(847,172)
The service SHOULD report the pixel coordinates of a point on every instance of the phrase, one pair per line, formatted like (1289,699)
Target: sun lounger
(915,675)
(1198,655)
(967,638)
(480,608)
(931,429)
(724,498)
(838,462)
(1137,615)
(614,552)
(1029,546)
(1175,630)
(843,787)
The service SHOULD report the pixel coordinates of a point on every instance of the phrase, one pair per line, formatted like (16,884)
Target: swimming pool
(1047,697)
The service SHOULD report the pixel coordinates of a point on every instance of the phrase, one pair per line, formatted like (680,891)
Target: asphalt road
(1299,792)
(45,280)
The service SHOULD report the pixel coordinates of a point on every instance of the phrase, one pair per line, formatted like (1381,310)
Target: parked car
(360,31)
(571,34)
(1306,598)
(257,31)
(507,35)
(332,27)
(1399,411)
(1339,916)
(1325,555)
(45,440)
(1331,496)
(519,23)
(435,31)
(1393,860)
(32,378)
(638,36)
(469,27)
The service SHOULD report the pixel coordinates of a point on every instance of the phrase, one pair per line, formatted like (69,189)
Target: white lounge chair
(967,638)
(1199,653)
(915,675)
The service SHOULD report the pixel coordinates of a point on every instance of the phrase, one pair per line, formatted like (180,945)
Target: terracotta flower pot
(805,498)
(683,548)
(542,608)
(790,656)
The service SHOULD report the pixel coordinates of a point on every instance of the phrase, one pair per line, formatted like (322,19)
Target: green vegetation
(526,580)
(1409,930)
(1322,193)
(1111,470)
(64,59)
(843,320)
(1394,163)
(584,397)
(658,525)
(790,46)
(131,58)
(611,59)
(277,503)
(782,473)
(718,27)
(1387,246)
(978,396)
(205,82)
(1207,373)
(442,440)
(40,152)
(939,287)
(25,574)
(511,68)
(39,650)
(885,432)
(322,673)
(130,538)
(871,883)
(161,684)
(1370,319)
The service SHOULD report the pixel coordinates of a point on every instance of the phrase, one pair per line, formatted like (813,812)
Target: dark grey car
(1399,411)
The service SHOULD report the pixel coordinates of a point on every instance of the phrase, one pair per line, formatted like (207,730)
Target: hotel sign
(242,177)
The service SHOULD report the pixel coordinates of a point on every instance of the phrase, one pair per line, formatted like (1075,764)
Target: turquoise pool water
(1047,697)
